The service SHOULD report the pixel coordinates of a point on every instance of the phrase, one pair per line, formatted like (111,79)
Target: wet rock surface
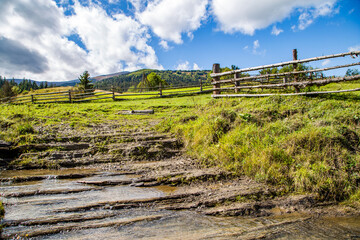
(121,182)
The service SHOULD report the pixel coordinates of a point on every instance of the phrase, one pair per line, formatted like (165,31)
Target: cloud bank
(57,40)
(248,16)
(169,19)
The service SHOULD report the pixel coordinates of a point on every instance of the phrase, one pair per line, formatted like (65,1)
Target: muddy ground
(149,159)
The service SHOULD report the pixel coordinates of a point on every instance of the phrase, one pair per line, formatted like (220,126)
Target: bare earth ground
(149,159)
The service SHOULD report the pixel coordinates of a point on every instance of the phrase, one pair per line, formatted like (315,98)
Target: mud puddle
(40,215)
(190,225)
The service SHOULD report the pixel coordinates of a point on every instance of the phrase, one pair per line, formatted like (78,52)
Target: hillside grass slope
(303,144)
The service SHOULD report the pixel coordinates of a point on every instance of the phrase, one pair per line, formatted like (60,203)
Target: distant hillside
(49,83)
(18,80)
(69,83)
(101,77)
(173,78)
(125,80)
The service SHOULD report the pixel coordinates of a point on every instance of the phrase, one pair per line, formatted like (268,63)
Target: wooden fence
(74,96)
(70,96)
(285,82)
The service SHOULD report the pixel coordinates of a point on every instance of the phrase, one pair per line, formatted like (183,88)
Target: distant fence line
(280,81)
(76,96)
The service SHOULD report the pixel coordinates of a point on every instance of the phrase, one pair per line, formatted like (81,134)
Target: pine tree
(85,82)
(6,90)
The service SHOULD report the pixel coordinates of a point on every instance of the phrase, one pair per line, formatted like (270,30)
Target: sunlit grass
(305,144)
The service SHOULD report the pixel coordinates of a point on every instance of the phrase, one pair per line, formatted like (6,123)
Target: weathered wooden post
(285,81)
(160,89)
(201,87)
(216,86)
(70,101)
(237,83)
(295,57)
(32,98)
(113,93)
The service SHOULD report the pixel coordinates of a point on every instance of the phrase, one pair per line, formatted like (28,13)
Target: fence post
(201,87)
(216,86)
(70,100)
(295,57)
(285,81)
(160,89)
(237,83)
(113,93)
(32,98)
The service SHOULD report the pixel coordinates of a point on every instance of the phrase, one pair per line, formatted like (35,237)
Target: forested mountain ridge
(172,77)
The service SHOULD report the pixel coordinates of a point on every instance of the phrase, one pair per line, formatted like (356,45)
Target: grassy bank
(304,144)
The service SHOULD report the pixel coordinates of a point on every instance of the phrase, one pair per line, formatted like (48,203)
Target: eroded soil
(97,164)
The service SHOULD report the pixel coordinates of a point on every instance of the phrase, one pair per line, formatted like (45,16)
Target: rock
(4,144)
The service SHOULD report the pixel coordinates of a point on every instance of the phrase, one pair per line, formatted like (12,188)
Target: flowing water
(37,203)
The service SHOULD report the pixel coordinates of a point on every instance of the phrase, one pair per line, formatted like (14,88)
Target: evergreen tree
(1,81)
(13,83)
(85,82)
(34,85)
(6,90)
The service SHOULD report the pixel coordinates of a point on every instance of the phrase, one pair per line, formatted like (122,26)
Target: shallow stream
(164,224)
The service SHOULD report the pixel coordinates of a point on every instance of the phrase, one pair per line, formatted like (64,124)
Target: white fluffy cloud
(164,44)
(183,66)
(196,67)
(276,31)
(169,19)
(247,16)
(114,43)
(256,45)
(186,66)
(38,33)
(38,41)
(354,48)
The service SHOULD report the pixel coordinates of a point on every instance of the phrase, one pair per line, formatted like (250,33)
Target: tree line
(10,88)
(146,78)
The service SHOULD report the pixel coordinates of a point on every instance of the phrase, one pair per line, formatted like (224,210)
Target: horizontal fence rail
(76,96)
(237,81)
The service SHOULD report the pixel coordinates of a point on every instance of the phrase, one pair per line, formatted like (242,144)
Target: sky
(57,40)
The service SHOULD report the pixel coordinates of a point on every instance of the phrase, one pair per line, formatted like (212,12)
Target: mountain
(101,77)
(70,82)
(172,77)
(94,79)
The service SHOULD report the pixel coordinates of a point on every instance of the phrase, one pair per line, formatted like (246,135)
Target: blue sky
(56,40)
